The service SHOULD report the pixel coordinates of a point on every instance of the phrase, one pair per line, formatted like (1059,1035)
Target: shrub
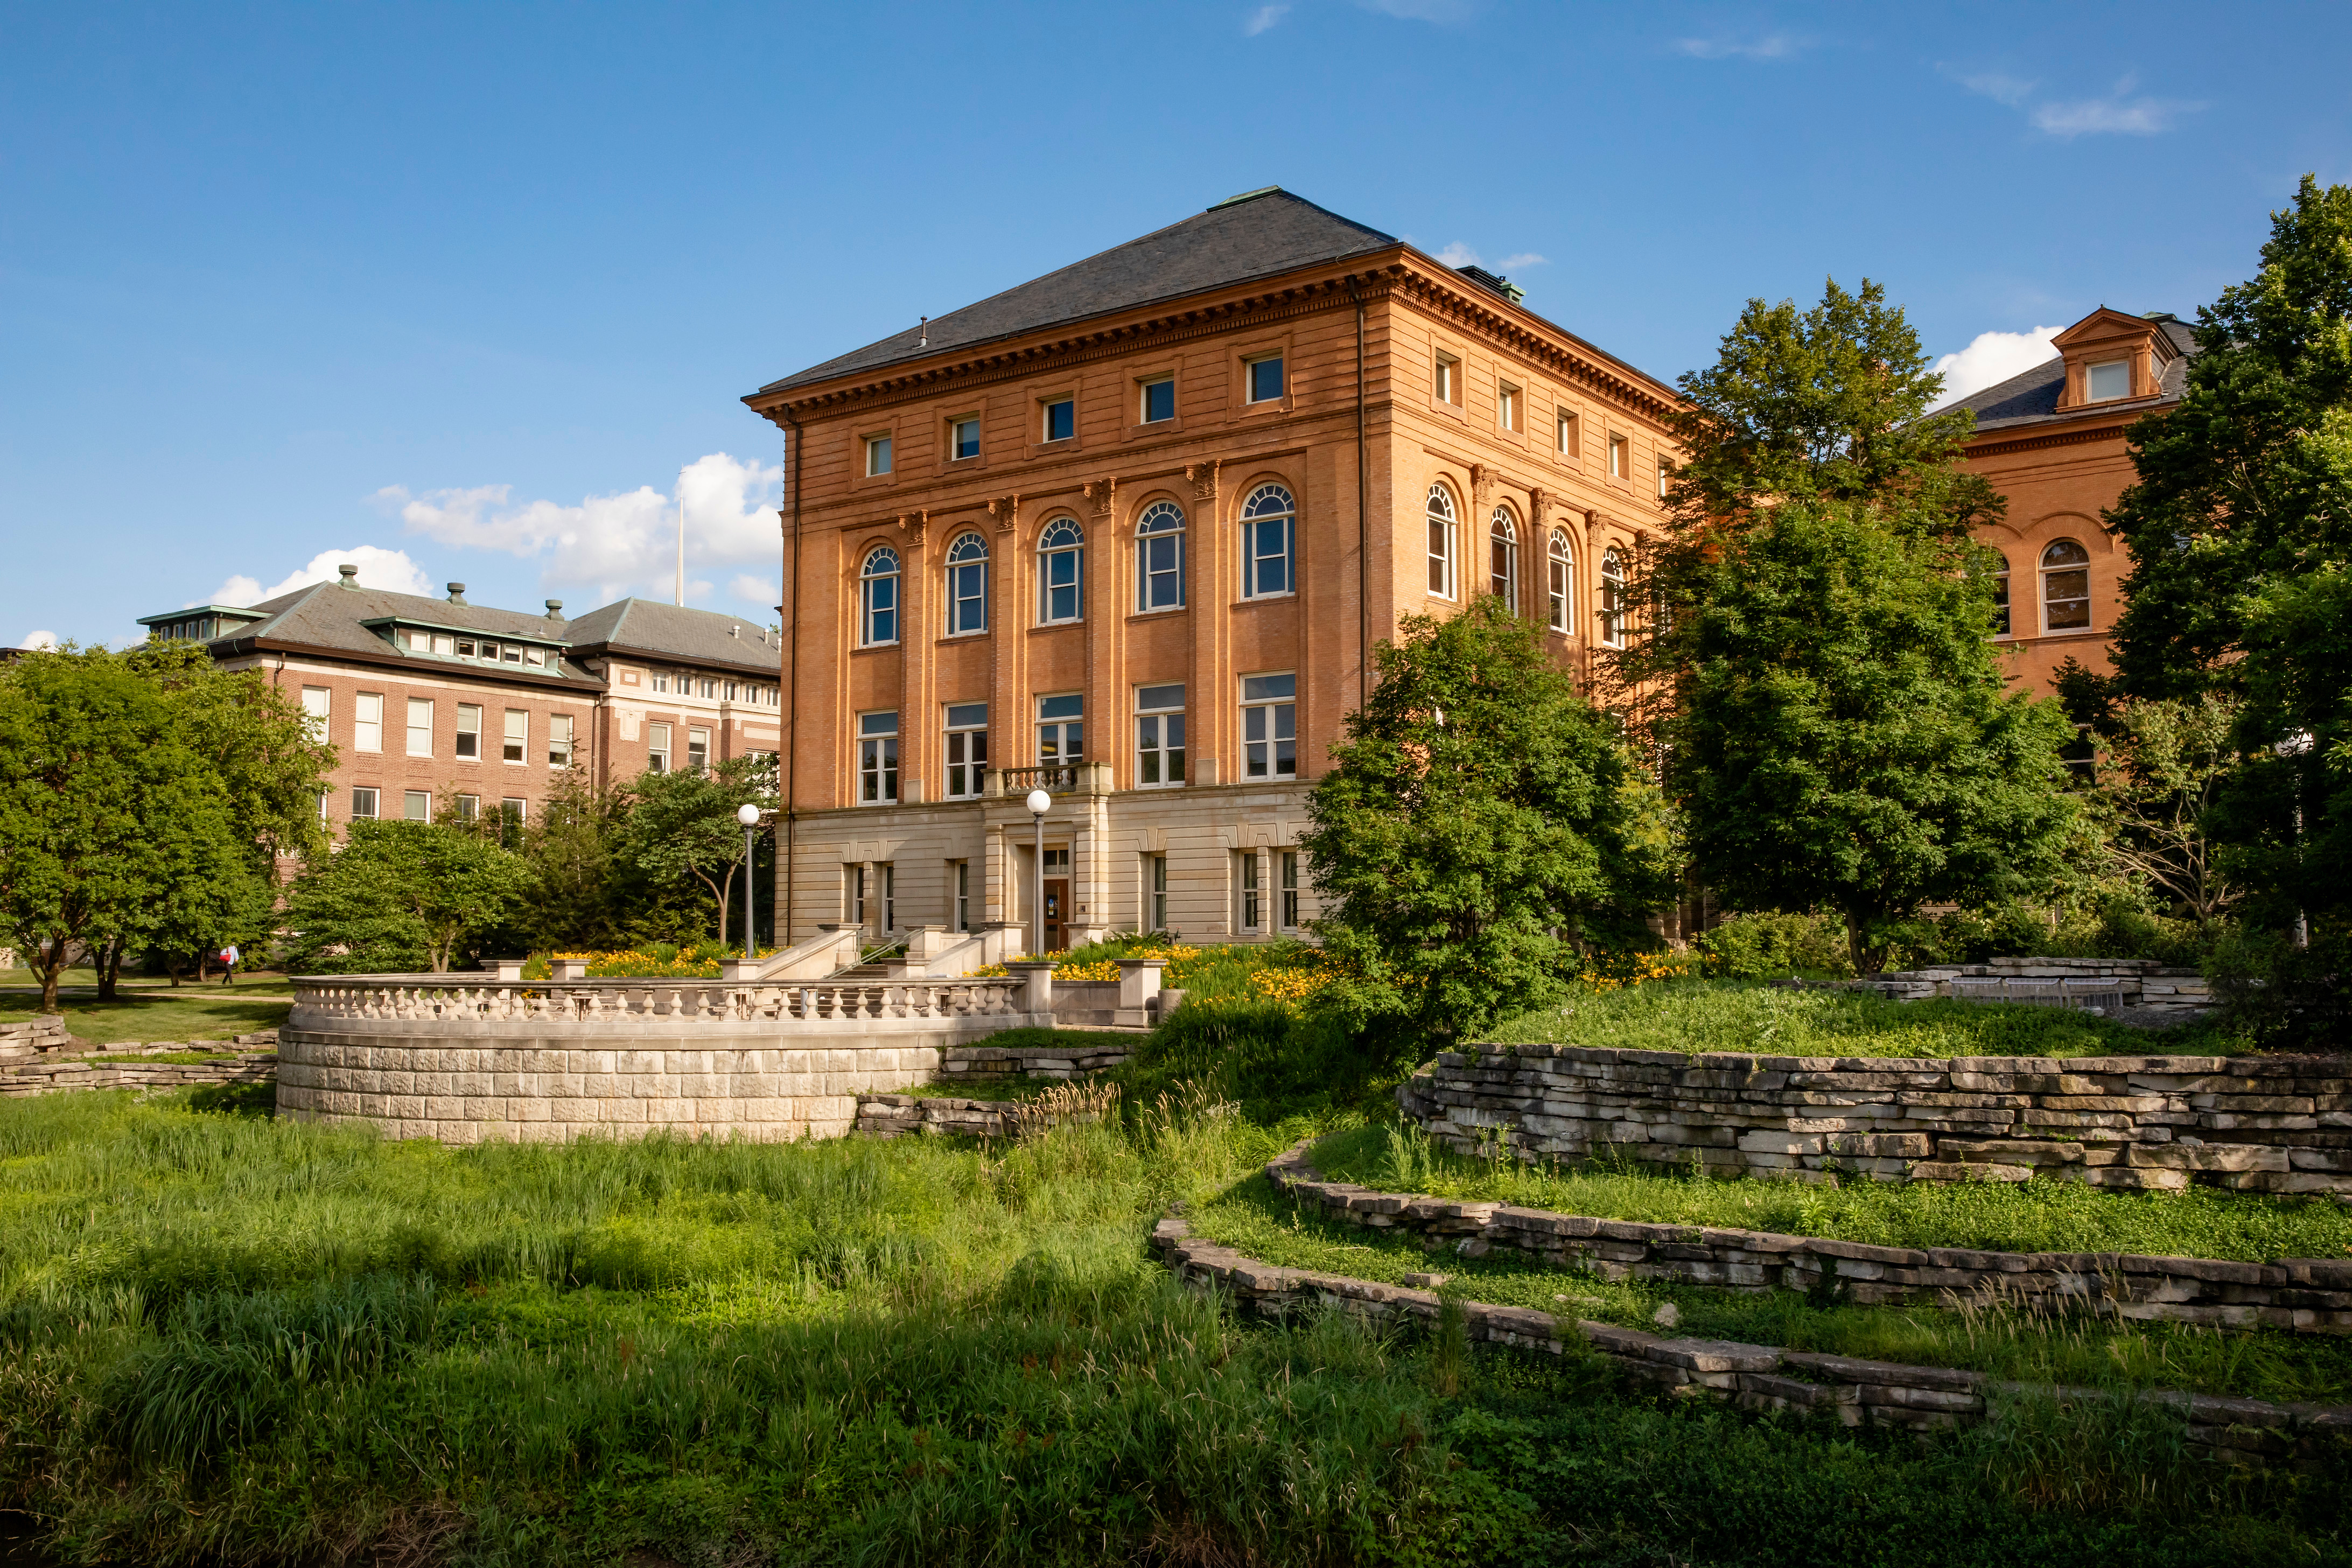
(1765,944)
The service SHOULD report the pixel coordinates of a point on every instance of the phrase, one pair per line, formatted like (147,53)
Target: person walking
(228,964)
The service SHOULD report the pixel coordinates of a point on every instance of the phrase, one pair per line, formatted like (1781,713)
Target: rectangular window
(2108,382)
(441,643)
(518,736)
(888,877)
(512,654)
(1160,400)
(1061,419)
(877,758)
(1446,386)
(362,805)
(1269,726)
(698,748)
(1158,736)
(1251,907)
(959,881)
(470,808)
(1566,430)
(1061,731)
(465,648)
(1620,456)
(730,689)
(367,722)
(657,748)
(1155,886)
(324,795)
(420,727)
(314,711)
(661,680)
(559,741)
(2000,602)
(853,894)
(416,805)
(877,456)
(1287,916)
(967,749)
(1265,379)
(1506,405)
(1268,537)
(964,439)
(513,808)
(1441,552)
(1666,477)
(710,688)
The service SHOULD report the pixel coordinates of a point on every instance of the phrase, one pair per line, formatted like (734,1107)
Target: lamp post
(1039,804)
(749,816)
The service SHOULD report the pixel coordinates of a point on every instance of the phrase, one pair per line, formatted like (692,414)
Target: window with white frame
(1253,911)
(559,741)
(877,602)
(1061,419)
(1620,456)
(963,438)
(1445,385)
(1159,400)
(1269,542)
(960,889)
(1506,405)
(1565,428)
(1503,558)
(2108,382)
(1287,891)
(1264,378)
(878,759)
(420,726)
(1158,736)
(2000,599)
(967,584)
(657,748)
(1270,726)
(1441,541)
(1061,572)
(853,894)
(1160,557)
(513,809)
(1061,731)
(698,749)
(2066,588)
(887,875)
(363,805)
(1562,562)
(708,688)
(1613,599)
(416,805)
(314,711)
(661,680)
(877,456)
(729,689)
(367,722)
(1665,475)
(967,749)
(518,735)
(468,741)
(1155,892)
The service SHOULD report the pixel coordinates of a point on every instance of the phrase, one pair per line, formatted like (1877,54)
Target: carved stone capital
(1100,493)
(1482,488)
(1539,508)
(914,525)
(1005,511)
(1204,478)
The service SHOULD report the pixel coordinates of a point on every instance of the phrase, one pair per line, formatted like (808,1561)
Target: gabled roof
(2031,396)
(671,631)
(1259,235)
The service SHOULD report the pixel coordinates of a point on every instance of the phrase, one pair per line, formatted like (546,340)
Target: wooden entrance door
(1058,903)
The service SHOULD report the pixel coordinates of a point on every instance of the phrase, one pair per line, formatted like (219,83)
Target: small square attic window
(2109,382)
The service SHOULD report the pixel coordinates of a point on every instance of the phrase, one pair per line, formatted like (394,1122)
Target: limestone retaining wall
(2278,1125)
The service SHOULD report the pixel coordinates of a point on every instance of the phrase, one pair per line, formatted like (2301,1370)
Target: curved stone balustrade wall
(461,1060)
(2278,1125)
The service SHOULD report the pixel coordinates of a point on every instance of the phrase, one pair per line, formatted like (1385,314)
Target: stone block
(1954,1171)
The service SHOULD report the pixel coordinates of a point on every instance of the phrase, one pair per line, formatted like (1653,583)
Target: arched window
(2066,588)
(1563,582)
(878,601)
(1061,570)
(1441,541)
(967,584)
(1269,542)
(1502,559)
(1160,557)
(1613,599)
(2000,599)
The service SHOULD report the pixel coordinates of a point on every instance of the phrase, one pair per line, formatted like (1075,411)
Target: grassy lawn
(2081,1351)
(147,1010)
(1697,1015)
(228,1338)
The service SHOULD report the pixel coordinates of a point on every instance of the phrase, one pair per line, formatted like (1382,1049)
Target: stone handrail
(322,1000)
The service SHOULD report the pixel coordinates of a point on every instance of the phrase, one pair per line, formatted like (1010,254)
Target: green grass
(167,1059)
(148,1009)
(1698,1015)
(2039,1215)
(2005,1342)
(225,1338)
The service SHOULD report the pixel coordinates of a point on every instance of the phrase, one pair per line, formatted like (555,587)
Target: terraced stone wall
(2277,1124)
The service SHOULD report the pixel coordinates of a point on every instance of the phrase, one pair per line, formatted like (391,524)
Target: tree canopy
(400,896)
(681,826)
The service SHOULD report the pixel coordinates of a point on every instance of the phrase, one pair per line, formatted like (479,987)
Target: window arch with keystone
(1160,557)
(1269,542)
(2066,588)
(878,597)
(1061,572)
(966,567)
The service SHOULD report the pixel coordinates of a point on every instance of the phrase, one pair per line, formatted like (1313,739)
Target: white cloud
(1443,11)
(2117,114)
(1458,255)
(1992,358)
(2009,90)
(1262,18)
(387,569)
(762,592)
(39,639)
(1510,263)
(612,544)
(1724,47)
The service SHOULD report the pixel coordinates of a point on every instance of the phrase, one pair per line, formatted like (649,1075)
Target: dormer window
(2108,382)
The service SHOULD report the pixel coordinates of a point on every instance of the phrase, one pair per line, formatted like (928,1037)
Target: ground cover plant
(148,1009)
(231,1338)
(1697,1016)
(2002,1339)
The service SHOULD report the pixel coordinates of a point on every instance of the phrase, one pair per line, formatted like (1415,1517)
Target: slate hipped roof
(1262,235)
(672,631)
(2032,398)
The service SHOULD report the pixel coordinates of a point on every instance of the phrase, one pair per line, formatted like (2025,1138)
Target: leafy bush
(1766,944)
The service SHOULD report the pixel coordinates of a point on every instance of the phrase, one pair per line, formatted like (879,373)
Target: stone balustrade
(321,999)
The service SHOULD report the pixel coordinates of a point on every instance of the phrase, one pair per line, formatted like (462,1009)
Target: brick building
(2051,441)
(434,699)
(1127,530)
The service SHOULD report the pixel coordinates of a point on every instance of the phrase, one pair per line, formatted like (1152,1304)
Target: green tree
(400,896)
(1815,665)
(2240,534)
(682,830)
(1480,828)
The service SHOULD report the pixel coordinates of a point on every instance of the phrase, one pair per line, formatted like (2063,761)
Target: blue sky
(463,291)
